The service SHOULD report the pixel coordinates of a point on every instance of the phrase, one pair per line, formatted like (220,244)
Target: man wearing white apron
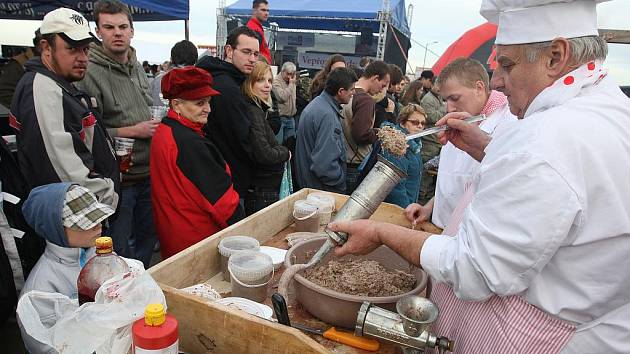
(539,262)
(465,87)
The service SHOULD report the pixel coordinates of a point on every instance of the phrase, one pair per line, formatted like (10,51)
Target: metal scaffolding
(383,17)
(221,29)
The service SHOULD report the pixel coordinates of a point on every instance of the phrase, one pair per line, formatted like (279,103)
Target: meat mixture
(361,277)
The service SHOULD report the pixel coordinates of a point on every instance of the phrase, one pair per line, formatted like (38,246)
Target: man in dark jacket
(320,148)
(59,138)
(228,122)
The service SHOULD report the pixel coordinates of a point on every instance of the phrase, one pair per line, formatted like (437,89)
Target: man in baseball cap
(59,138)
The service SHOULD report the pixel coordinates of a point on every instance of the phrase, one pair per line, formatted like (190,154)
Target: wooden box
(213,328)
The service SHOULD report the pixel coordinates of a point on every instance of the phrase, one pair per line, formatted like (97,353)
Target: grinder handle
(280,308)
(350,339)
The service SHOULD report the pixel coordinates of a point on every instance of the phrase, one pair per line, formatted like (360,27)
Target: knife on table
(343,337)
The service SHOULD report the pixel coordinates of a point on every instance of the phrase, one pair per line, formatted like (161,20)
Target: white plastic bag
(54,320)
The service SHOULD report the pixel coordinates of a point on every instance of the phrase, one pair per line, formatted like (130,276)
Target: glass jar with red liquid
(100,268)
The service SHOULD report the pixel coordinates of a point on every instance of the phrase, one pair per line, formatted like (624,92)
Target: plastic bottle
(156,333)
(100,268)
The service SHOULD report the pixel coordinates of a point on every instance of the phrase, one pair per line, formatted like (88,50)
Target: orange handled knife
(344,337)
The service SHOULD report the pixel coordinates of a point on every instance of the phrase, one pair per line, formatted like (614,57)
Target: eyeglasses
(248,52)
(417,123)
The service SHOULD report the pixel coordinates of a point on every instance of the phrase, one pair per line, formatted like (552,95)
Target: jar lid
(104,245)
(154,314)
(324,201)
(232,244)
(250,265)
(304,206)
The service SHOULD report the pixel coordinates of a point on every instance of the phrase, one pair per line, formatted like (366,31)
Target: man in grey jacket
(320,148)
(120,85)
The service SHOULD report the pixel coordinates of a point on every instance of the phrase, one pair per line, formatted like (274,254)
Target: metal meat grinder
(408,328)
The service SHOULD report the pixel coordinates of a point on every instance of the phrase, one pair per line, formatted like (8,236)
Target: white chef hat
(531,21)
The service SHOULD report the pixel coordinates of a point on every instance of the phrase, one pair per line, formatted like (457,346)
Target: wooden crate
(212,328)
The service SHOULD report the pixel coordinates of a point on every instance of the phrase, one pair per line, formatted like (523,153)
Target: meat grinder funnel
(417,314)
(372,191)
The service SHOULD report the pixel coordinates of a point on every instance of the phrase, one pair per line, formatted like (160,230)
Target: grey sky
(443,21)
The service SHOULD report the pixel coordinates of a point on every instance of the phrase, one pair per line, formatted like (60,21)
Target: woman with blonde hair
(267,154)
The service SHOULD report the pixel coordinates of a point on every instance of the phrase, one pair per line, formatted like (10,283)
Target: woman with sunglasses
(411,120)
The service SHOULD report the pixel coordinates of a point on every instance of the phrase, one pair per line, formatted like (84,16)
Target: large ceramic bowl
(339,309)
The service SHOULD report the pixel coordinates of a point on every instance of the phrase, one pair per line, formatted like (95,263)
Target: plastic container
(325,205)
(156,333)
(100,268)
(233,244)
(250,272)
(306,216)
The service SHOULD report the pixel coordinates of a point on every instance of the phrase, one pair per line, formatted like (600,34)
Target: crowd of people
(235,140)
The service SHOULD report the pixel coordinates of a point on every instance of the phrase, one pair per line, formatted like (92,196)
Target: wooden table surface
(299,315)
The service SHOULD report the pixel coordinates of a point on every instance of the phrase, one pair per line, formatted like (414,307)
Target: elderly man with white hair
(284,90)
(539,261)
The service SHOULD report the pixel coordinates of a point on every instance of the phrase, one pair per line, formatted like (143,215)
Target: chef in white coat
(540,259)
(465,87)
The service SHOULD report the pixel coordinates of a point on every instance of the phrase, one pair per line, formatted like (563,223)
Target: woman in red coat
(192,190)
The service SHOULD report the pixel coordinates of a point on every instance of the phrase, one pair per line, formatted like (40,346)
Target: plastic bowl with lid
(325,204)
(230,245)
(306,216)
(251,272)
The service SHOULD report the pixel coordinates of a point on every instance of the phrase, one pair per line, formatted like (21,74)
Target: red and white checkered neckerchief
(495,101)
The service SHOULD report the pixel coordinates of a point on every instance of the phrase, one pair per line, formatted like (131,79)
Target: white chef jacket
(457,168)
(550,219)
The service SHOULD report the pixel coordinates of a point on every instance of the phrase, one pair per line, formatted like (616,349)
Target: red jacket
(191,186)
(256,26)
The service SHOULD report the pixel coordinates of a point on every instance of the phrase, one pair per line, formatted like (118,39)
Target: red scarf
(495,101)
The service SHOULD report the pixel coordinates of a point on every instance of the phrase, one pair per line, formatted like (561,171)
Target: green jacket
(435,109)
(123,98)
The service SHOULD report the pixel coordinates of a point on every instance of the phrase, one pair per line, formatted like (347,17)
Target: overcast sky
(433,21)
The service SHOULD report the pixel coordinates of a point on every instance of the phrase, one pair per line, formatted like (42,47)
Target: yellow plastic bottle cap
(154,315)
(104,244)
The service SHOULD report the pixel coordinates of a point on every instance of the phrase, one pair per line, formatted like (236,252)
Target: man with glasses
(464,85)
(260,14)
(228,122)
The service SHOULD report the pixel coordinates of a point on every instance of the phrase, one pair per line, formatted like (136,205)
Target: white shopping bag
(53,322)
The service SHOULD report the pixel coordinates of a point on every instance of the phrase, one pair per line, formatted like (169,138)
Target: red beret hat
(189,83)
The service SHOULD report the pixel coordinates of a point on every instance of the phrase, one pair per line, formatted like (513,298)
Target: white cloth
(550,218)
(457,167)
(531,21)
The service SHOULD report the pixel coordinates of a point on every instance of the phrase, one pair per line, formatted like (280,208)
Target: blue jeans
(133,231)
(287,129)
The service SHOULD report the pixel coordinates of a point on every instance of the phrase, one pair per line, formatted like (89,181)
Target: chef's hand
(465,136)
(362,236)
(417,213)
